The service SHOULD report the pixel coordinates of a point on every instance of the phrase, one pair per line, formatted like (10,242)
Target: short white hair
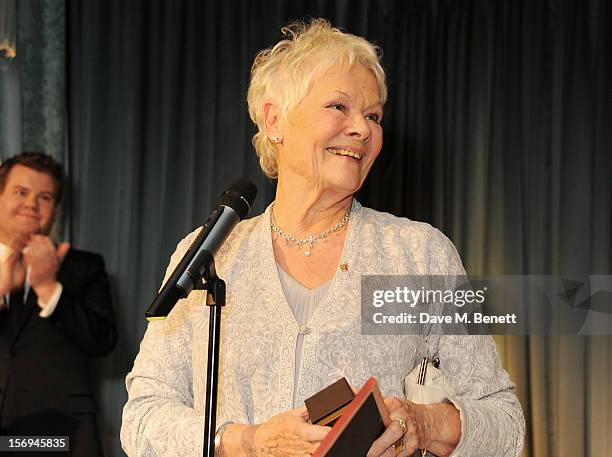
(285,72)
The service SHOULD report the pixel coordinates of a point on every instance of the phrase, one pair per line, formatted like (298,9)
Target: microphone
(234,204)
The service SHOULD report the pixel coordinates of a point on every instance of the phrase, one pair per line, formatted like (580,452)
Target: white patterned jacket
(166,387)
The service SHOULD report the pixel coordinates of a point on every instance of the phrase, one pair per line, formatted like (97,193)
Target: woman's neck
(308,211)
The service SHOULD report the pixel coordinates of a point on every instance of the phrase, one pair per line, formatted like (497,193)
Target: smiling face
(27,203)
(332,137)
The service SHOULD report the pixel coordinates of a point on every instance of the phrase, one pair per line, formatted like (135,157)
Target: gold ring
(399,446)
(402,423)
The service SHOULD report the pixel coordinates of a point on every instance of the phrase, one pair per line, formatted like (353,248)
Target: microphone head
(239,196)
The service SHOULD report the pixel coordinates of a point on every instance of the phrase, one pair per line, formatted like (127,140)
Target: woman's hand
(284,435)
(434,427)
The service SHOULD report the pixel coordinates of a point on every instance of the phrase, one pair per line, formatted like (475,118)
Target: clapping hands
(39,257)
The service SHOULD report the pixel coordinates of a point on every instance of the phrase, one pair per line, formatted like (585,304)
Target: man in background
(55,312)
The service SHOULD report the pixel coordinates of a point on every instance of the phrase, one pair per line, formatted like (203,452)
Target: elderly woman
(292,321)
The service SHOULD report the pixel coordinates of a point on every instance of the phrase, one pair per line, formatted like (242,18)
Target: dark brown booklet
(360,424)
(326,406)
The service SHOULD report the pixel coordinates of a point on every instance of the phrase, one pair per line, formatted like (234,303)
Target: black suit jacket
(44,362)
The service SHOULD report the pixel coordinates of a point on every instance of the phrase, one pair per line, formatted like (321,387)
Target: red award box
(361,423)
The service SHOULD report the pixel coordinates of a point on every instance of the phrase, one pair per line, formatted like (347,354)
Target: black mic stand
(215,299)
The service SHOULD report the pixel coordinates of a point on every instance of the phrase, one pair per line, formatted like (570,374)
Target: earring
(275,139)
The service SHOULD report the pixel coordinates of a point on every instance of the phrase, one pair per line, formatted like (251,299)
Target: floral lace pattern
(164,412)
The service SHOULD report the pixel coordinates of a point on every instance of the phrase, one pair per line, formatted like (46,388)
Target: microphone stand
(215,299)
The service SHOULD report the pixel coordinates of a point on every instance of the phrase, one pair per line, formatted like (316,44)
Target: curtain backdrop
(497,131)
(32,89)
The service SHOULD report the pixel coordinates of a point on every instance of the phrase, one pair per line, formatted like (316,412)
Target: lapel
(5,328)
(29,307)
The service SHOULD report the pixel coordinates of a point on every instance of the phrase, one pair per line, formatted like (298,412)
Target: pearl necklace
(310,240)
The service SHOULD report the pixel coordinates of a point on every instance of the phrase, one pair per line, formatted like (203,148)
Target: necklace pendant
(310,246)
